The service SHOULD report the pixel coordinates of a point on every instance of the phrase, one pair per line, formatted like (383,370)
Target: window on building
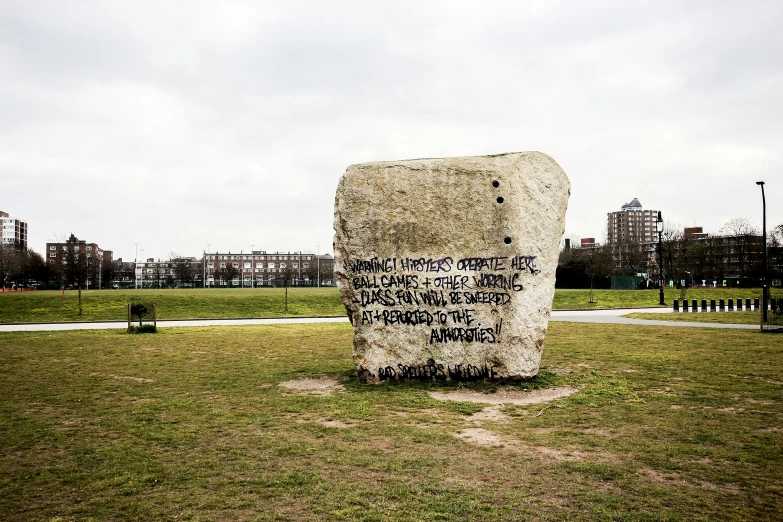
(52,254)
(52,247)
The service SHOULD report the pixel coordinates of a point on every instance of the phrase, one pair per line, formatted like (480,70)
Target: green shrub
(145,328)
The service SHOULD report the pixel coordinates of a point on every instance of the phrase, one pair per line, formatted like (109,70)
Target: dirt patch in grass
(676,480)
(520,398)
(492,414)
(322,386)
(479,436)
(327,423)
(484,437)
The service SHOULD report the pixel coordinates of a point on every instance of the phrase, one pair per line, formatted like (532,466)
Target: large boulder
(447,266)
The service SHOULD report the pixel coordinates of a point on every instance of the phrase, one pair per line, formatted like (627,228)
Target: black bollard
(747,304)
(755,303)
(694,305)
(712,305)
(773,303)
(684,305)
(739,305)
(703,305)
(731,305)
(721,306)
(676,305)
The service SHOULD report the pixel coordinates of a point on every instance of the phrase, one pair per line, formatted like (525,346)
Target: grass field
(110,305)
(702,317)
(191,424)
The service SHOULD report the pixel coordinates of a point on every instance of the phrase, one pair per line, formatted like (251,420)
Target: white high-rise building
(13,231)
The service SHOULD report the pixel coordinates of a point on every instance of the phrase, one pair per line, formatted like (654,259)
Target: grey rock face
(447,266)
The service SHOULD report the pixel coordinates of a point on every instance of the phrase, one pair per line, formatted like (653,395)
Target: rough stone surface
(447,266)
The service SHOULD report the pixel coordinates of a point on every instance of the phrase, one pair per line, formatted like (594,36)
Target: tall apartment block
(13,232)
(631,224)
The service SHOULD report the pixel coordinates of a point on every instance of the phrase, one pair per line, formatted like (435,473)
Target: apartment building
(262,268)
(59,254)
(631,224)
(13,231)
(180,272)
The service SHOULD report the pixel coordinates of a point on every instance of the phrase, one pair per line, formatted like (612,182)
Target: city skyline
(177,128)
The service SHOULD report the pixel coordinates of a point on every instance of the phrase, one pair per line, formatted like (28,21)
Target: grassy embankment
(191,424)
(110,305)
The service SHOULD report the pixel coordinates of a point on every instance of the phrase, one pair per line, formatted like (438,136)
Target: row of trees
(20,267)
(734,253)
(27,268)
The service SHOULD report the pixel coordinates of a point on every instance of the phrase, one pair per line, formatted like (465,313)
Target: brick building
(58,255)
(631,224)
(262,268)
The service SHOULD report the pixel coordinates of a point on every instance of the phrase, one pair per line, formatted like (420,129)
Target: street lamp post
(764,286)
(659,228)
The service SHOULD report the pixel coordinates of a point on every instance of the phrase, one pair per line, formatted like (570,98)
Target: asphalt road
(576,316)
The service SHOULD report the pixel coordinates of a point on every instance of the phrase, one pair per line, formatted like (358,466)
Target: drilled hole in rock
(500,199)
(496,183)
(507,241)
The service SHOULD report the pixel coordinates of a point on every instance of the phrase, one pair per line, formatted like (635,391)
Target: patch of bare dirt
(490,413)
(520,398)
(130,378)
(322,386)
(479,436)
(122,377)
(327,423)
(484,437)
(564,372)
(674,479)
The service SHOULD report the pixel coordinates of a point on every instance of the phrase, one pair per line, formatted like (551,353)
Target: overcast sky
(177,125)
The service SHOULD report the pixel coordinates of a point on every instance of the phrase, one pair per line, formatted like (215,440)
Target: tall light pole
(659,228)
(764,286)
(252,266)
(205,265)
(135,264)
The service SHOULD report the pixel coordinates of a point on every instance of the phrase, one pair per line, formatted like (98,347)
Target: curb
(187,319)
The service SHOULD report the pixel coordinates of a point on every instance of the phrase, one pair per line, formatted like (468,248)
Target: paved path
(577,316)
(613,317)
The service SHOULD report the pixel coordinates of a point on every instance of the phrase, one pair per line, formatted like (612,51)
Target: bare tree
(184,272)
(157,273)
(598,264)
(231,272)
(10,264)
(76,268)
(287,274)
(740,233)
